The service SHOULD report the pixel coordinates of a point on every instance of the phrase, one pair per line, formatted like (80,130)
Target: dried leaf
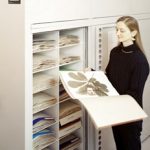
(100,93)
(101,86)
(75,84)
(73,76)
(104,86)
(83,89)
(79,76)
(91,85)
(82,76)
(92,80)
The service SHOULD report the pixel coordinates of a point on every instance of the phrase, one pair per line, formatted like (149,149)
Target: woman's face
(123,33)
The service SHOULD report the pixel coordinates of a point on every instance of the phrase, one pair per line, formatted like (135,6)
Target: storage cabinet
(20,100)
(54,51)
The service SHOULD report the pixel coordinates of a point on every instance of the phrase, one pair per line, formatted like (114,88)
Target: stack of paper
(69,111)
(42,62)
(42,139)
(43,45)
(42,81)
(69,142)
(42,101)
(41,121)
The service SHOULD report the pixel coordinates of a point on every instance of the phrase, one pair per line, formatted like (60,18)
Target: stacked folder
(68,39)
(42,101)
(42,62)
(70,142)
(63,95)
(41,121)
(43,45)
(42,81)
(42,139)
(69,117)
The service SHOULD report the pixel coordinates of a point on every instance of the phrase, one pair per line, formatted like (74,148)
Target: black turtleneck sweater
(128,70)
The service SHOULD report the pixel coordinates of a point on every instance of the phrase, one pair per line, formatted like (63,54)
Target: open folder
(102,102)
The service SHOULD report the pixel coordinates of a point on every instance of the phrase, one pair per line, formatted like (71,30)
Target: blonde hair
(133,25)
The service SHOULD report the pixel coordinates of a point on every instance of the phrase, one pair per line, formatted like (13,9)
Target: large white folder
(110,110)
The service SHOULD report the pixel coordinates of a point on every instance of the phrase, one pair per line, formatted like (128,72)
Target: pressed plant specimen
(87,85)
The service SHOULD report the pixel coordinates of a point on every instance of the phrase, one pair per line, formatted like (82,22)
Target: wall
(12,96)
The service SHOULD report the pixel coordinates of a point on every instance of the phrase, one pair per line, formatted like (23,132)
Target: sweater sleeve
(137,81)
(108,65)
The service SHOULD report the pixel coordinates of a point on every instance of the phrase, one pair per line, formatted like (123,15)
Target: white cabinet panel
(105,8)
(108,142)
(140,6)
(59,10)
(145,30)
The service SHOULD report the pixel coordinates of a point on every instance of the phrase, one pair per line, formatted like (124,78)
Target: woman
(128,70)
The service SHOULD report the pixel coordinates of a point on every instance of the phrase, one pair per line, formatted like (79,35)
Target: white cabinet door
(59,10)
(103,8)
(144,28)
(140,6)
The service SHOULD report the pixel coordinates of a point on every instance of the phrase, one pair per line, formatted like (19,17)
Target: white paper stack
(68,39)
(42,101)
(42,62)
(113,110)
(43,45)
(42,82)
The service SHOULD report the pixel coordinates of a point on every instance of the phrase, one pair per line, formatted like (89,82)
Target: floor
(146,144)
